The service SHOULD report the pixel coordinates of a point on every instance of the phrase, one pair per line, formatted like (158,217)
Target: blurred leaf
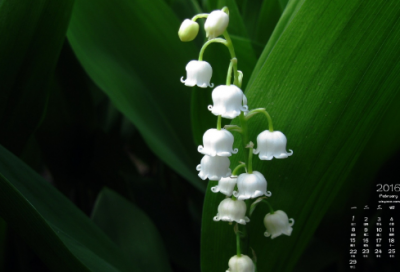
(181,235)
(32,36)
(3,233)
(62,236)
(269,15)
(184,8)
(119,46)
(251,10)
(131,229)
(326,77)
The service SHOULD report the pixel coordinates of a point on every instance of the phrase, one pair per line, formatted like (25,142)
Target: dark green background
(99,138)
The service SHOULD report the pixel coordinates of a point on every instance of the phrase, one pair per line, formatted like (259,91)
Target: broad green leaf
(131,50)
(32,36)
(287,16)
(361,181)
(131,229)
(326,77)
(62,236)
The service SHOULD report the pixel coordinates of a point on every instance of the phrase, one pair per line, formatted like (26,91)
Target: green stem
(237,168)
(219,122)
(269,206)
(233,128)
(216,40)
(262,110)
(245,136)
(233,55)
(229,75)
(250,162)
(238,251)
(198,16)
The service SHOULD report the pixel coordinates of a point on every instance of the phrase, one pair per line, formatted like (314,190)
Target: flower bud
(272,144)
(225,185)
(227,101)
(217,142)
(216,23)
(251,186)
(278,223)
(188,30)
(198,73)
(240,263)
(232,210)
(214,168)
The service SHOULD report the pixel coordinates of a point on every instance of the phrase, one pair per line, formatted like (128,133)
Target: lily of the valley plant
(242,183)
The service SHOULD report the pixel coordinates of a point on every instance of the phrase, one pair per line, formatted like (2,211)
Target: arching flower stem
(226,10)
(216,40)
(219,122)
(229,44)
(250,146)
(269,206)
(198,16)
(258,201)
(261,110)
(238,249)
(229,75)
(233,128)
(237,168)
(245,136)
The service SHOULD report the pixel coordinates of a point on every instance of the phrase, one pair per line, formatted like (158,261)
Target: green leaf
(326,77)
(32,36)
(131,50)
(62,236)
(131,229)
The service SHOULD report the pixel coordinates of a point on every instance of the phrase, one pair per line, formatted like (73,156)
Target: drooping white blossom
(225,185)
(217,143)
(188,30)
(214,168)
(216,23)
(271,144)
(278,223)
(227,101)
(240,263)
(198,73)
(232,210)
(251,186)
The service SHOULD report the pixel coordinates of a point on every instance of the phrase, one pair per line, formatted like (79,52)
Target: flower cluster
(230,102)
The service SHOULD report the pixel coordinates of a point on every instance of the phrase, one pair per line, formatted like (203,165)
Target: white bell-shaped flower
(232,210)
(214,168)
(198,73)
(251,186)
(216,23)
(217,143)
(225,186)
(272,144)
(188,30)
(227,101)
(278,223)
(240,263)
